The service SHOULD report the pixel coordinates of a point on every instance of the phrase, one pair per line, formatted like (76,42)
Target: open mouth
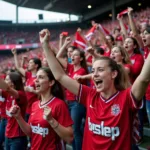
(37,86)
(126,47)
(113,57)
(144,40)
(99,82)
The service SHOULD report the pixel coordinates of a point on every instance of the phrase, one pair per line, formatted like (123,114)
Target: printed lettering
(39,130)
(100,129)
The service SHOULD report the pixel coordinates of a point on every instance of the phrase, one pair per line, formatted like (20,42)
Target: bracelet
(56,126)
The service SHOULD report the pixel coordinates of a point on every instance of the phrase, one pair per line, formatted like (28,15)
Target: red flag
(104,30)
(123,12)
(79,41)
(64,33)
(90,33)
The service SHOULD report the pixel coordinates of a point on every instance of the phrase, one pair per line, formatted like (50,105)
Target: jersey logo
(115,109)
(101,129)
(39,130)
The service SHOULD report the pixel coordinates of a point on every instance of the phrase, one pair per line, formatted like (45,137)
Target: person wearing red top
(77,111)
(137,60)
(3,118)
(49,121)
(146,41)
(109,106)
(13,86)
(120,55)
(30,75)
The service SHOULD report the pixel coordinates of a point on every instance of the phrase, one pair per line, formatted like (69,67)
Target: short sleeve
(85,94)
(62,115)
(132,102)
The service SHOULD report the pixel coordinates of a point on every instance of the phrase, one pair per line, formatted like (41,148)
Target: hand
(47,113)
(44,36)
(61,36)
(130,10)
(28,89)
(77,77)
(25,57)
(15,111)
(13,51)
(67,40)
(119,18)
(90,50)
(79,30)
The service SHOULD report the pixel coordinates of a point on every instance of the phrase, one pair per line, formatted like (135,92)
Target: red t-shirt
(108,122)
(31,97)
(3,105)
(89,59)
(107,54)
(72,73)
(43,137)
(137,64)
(12,128)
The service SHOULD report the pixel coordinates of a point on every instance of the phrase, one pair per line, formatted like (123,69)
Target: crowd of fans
(90,92)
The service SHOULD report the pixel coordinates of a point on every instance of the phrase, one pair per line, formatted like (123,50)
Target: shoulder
(139,56)
(28,74)
(125,93)
(57,102)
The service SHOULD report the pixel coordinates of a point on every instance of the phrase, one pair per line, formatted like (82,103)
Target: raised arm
(101,34)
(60,53)
(123,29)
(24,59)
(140,85)
(20,69)
(61,40)
(54,65)
(134,28)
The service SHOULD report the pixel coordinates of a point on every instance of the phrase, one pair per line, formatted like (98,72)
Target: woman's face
(109,39)
(42,82)
(9,82)
(102,75)
(69,52)
(31,65)
(76,59)
(129,45)
(116,55)
(146,38)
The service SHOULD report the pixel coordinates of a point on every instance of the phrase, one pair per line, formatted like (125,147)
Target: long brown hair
(83,62)
(16,79)
(57,89)
(121,81)
(124,54)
